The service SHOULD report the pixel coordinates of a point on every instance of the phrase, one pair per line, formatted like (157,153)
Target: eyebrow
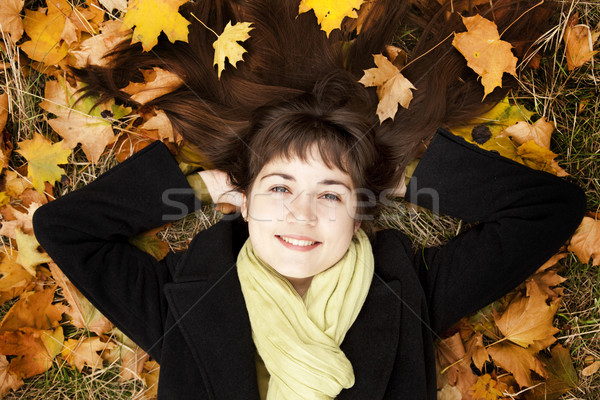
(323,182)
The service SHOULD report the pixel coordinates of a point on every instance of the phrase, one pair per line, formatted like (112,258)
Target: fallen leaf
(453,359)
(518,361)
(151,17)
(8,380)
(539,132)
(78,122)
(16,184)
(19,220)
(10,19)
(591,369)
(111,5)
(560,376)
(392,87)
(29,255)
(585,243)
(45,31)
(486,388)
(552,261)
(84,315)
(578,43)
(132,358)
(536,157)
(148,242)
(32,312)
(449,392)
(15,278)
(35,351)
(43,158)
(528,318)
(91,51)
(83,352)
(161,123)
(546,282)
(157,82)
(331,13)
(3,115)
(150,378)
(227,46)
(476,351)
(486,54)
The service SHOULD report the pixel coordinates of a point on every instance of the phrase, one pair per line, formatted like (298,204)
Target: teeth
(296,242)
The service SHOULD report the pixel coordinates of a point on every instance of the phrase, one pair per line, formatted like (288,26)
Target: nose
(302,209)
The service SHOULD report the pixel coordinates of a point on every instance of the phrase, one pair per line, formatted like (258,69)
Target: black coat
(188,311)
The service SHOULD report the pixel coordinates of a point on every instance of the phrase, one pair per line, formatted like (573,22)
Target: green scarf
(299,339)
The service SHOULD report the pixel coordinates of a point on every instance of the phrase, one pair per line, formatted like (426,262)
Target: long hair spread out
(288,56)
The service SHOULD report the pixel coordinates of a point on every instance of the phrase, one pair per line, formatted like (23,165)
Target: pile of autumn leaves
(502,341)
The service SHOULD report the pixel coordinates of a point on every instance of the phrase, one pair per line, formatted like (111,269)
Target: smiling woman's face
(301,215)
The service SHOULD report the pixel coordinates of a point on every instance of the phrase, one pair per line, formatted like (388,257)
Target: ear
(244,207)
(356,226)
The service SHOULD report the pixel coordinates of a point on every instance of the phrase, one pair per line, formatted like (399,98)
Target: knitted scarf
(299,338)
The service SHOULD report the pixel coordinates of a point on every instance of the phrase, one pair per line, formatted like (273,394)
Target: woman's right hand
(220,188)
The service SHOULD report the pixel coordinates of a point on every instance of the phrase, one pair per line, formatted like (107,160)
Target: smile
(297,244)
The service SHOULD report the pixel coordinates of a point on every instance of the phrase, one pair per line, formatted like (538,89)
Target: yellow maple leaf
(10,20)
(585,243)
(150,17)
(227,46)
(536,156)
(485,388)
(43,158)
(29,257)
(392,87)
(45,30)
(331,13)
(14,277)
(486,54)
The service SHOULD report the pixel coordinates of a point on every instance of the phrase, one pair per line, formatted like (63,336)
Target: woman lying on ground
(293,300)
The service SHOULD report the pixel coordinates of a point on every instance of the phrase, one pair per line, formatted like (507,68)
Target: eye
(331,197)
(279,189)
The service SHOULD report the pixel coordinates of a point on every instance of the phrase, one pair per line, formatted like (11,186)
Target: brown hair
(288,54)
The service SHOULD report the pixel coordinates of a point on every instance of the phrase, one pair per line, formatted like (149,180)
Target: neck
(301,285)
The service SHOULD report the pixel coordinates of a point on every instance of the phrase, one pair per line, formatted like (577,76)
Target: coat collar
(211,313)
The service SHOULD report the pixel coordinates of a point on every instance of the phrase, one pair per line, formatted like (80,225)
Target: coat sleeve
(523,217)
(86,233)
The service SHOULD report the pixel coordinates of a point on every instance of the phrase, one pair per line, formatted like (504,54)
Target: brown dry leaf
(35,350)
(449,351)
(528,318)
(150,378)
(10,18)
(392,87)
(18,220)
(161,123)
(331,13)
(591,369)
(476,351)
(552,261)
(110,5)
(45,30)
(91,51)
(33,311)
(585,243)
(30,196)
(486,54)
(149,243)
(539,132)
(29,254)
(546,282)
(15,278)
(449,392)
(84,315)
(83,352)
(579,43)
(16,184)
(3,111)
(8,380)
(561,376)
(132,358)
(518,361)
(129,144)
(157,82)
(78,122)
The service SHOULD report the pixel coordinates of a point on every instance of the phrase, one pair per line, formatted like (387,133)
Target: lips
(298,243)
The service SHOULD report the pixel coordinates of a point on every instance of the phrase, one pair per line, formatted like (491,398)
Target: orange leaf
(516,360)
(528,318)
(10,18)
(18,220)
(34,311)
(585,243)
(579,43)
(15,278)
(486,54)
(476,350)
(453,358)
(8,380)
(156,83)
(35,350)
